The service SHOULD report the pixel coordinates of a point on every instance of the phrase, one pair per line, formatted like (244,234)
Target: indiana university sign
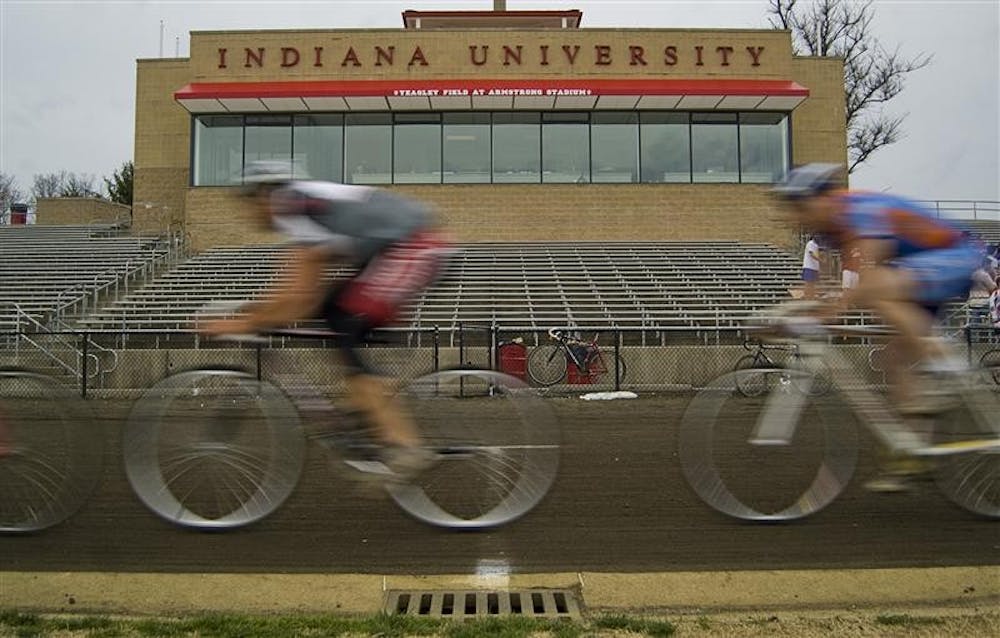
(515,55)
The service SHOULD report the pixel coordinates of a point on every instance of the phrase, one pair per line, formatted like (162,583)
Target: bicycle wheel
(547,364)
(213,449)
(970,479)
(51,452)
(752,378)
(778,457)
(817,381)
(990,366)
(497,447)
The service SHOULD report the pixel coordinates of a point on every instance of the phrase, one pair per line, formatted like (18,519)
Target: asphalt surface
(620,504)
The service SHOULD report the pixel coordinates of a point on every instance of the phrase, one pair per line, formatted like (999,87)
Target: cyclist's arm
(296,299)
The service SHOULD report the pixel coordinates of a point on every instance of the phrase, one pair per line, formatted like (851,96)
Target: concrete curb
(678,592)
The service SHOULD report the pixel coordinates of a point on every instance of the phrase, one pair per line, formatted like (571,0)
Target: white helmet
(809,179)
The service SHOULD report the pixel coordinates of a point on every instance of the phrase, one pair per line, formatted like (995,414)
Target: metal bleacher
(701,284)
(54,273)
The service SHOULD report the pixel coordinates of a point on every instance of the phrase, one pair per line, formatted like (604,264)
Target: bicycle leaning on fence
(51,451)
(758,371)
(790,453)
(550,363)
(219,448)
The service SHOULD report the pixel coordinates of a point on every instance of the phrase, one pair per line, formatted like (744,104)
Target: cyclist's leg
(369,393)
(372,299)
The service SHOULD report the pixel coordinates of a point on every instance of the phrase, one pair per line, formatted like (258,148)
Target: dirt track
(620,504)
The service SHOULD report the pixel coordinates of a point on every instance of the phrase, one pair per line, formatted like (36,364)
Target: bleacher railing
(965,209)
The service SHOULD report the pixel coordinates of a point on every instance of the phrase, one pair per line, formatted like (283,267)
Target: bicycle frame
(780,417)
(759,351)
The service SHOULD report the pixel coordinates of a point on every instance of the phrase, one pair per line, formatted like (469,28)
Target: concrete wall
(58,211)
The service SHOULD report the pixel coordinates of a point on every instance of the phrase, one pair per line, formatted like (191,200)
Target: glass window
(666,147)
(318,146)
(714,147)
(368,148)
(516,147)
(763,147)
(218,150)
(268,137)
(466,148)
(417,148)
(614,143)
(565,148)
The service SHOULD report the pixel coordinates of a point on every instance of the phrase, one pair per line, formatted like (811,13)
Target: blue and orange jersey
(911,226)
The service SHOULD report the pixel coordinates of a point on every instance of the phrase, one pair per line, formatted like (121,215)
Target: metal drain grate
(542,603)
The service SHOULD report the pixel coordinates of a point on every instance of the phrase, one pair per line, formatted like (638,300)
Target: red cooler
(514,360)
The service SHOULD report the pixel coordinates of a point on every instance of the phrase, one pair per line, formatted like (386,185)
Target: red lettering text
(384,55)
(510,54)
(418,55)
(670,55)
(636,56)
(351,57)
(724,51)
(571,56)
(289,56)
(257,58)
(472,54)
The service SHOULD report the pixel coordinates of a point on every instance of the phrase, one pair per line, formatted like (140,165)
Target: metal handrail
(964,209)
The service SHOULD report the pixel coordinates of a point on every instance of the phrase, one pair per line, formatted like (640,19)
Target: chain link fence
(590,360)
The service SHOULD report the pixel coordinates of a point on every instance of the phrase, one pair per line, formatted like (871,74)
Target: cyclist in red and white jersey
(393,244)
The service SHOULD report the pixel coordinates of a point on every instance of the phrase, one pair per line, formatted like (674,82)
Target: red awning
(441,95)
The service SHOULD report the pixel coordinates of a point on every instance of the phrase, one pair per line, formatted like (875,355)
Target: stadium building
(517,125)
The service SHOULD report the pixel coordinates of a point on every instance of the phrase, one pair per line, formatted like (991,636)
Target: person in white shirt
(810,268)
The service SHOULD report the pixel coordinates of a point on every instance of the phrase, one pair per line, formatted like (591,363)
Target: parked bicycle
(218,448)
(759,371)
(790,453)
(989,364)
(51,452)
(550,363)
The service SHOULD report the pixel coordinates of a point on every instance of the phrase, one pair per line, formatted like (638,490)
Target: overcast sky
(67,74)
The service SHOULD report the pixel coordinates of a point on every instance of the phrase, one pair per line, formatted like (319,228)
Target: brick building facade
(395,70)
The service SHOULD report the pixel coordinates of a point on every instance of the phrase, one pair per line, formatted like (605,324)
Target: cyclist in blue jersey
(396,252)
(917,263)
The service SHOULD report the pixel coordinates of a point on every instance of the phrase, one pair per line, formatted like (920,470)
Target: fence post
(618,347)
(259,347)
(494,360)
(461,345)
(437,348)
(83,366)
(968,342)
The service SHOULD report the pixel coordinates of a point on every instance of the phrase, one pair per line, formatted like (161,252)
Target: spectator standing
(851,270)
(810,267)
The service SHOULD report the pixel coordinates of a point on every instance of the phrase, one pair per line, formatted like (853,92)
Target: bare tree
(48,184)
(873,75)
(78,185)
(10,193)
(64,184)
